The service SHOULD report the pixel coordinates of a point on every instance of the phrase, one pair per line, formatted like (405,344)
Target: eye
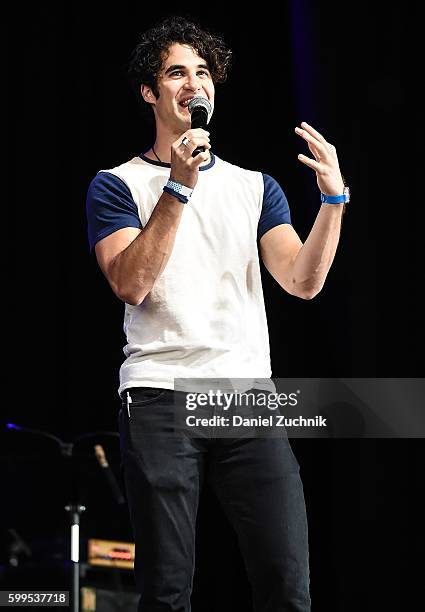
(179,72)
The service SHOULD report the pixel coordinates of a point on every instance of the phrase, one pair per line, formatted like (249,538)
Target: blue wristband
(338,199)
(177,195)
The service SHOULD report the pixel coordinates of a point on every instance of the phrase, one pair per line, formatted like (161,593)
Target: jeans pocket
(143,396)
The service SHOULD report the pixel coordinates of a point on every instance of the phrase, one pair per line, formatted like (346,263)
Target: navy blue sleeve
(109,207)
(275,207)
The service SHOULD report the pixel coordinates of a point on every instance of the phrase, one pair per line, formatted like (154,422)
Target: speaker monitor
(101,600)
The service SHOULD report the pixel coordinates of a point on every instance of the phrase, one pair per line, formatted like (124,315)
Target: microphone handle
(199,120)
(115,489)
(109,475)
(198,150)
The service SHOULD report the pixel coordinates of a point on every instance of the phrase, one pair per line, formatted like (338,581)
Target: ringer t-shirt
(205,315)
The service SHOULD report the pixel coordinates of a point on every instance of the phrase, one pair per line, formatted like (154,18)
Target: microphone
(201,110)
(109,475)
(17,547)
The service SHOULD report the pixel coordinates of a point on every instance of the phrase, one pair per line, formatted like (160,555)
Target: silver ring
(185,141)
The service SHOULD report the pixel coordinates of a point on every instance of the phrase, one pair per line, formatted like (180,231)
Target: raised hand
(325,162)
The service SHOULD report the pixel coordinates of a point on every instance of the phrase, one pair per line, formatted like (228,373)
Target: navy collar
(166,165)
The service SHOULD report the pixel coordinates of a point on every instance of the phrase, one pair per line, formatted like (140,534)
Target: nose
(192,82)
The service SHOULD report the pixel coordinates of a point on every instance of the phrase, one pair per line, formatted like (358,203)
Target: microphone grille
(200,101)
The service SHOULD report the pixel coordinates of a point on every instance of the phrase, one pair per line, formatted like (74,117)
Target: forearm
(315,257)
(136,269)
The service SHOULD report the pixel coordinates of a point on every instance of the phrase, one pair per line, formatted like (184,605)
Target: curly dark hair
(147,58)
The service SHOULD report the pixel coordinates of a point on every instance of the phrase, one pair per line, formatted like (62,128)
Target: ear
(147,94)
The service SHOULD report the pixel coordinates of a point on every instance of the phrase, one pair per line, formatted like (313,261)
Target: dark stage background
(346,70)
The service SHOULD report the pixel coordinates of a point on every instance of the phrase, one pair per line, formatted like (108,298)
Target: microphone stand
(74,512)
(73,508)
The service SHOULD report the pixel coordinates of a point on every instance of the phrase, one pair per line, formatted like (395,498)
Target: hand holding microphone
(189,151)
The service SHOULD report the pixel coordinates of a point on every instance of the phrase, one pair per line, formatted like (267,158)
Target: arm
(132,259)
(301,269)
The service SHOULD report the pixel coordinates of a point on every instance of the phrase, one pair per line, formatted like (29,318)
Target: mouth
(184,103)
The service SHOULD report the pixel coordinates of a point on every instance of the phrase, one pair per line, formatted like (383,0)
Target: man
(176,237)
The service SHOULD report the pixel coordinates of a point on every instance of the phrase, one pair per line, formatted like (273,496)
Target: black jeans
(258,484)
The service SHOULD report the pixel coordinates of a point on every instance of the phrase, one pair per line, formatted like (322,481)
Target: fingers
(308,128)
(185,151)
(193,162)
(322,150)
(199,159)
(314,150)
(192,139)
(194,144)
(311,163)
(184,167)
(321,146)
(188,142)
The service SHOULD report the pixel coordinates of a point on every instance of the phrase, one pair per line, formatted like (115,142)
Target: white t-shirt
(205,316)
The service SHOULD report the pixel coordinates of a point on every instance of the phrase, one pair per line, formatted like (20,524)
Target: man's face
(184,75)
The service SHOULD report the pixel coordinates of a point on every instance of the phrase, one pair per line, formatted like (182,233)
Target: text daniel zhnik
(260,421)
